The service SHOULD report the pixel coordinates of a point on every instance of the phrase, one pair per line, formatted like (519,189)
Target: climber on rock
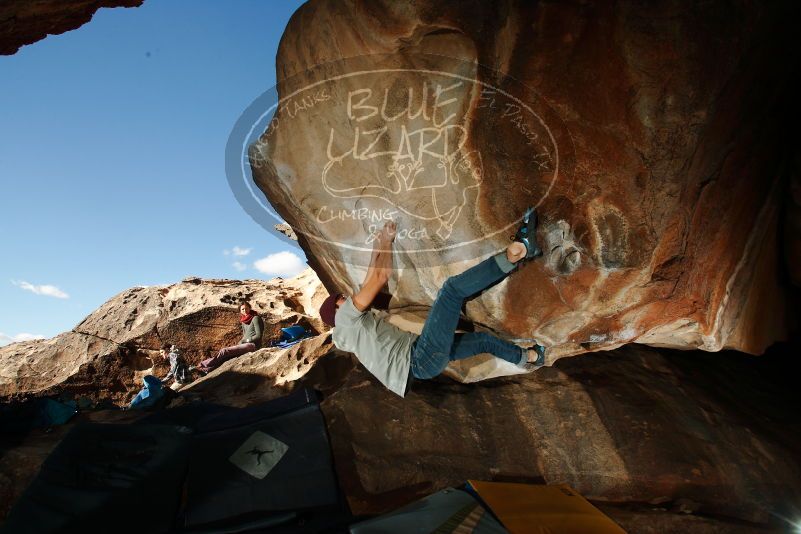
(391,354)
(252,329)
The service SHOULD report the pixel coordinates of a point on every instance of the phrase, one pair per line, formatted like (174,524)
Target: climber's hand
(387,235)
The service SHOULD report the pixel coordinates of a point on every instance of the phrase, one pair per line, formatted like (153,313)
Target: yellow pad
(538,509)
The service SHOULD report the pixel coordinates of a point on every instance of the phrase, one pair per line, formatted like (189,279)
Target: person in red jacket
(252,329)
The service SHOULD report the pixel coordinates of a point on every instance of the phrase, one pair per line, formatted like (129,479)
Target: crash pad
(534,509)
(450,510)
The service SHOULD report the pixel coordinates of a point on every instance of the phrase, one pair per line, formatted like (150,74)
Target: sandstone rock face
(108,352)
(24,22)
(650,137)
(681,431)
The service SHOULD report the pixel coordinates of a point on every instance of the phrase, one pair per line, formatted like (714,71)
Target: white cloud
(237,251)
(46,290)
(283,264)
(239,266)
(5,339)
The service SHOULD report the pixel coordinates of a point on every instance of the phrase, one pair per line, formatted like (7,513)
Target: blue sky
(112,157)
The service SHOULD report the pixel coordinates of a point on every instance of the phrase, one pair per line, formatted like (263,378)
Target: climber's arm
(370,289)
(380,268)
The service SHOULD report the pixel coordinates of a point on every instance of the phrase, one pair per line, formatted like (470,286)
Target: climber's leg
(472,343)
(431,351)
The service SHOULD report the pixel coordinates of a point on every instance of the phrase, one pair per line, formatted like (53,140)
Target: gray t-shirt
(384,349)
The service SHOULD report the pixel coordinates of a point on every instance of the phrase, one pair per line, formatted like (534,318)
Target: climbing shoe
(539,362)
(527,234)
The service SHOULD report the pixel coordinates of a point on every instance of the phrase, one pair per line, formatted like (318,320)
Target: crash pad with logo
(260,461)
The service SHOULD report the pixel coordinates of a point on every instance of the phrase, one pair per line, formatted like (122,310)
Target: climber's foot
(202,370)
(536,358)
(527,234)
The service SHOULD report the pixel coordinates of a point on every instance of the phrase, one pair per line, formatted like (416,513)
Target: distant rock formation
(653,138)
(23,22)
(107,353)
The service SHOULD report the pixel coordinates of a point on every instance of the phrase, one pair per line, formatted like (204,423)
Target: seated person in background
(178,369)
(252,328)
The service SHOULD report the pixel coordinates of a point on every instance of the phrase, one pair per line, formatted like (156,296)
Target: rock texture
(23,22)
(792,222)
(685,431)
(108,352)
(663,441)
(652,137)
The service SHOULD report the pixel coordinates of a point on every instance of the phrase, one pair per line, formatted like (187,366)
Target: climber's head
(245,308)
(164,351)
(328,310)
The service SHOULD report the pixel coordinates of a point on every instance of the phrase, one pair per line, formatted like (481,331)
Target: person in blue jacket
(149,395)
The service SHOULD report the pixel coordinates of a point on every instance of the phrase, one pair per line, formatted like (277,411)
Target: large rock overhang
(650,139)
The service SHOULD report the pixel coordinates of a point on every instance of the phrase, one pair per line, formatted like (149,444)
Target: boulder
(653,140)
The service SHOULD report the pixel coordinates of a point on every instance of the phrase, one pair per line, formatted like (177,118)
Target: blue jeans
(439,343)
